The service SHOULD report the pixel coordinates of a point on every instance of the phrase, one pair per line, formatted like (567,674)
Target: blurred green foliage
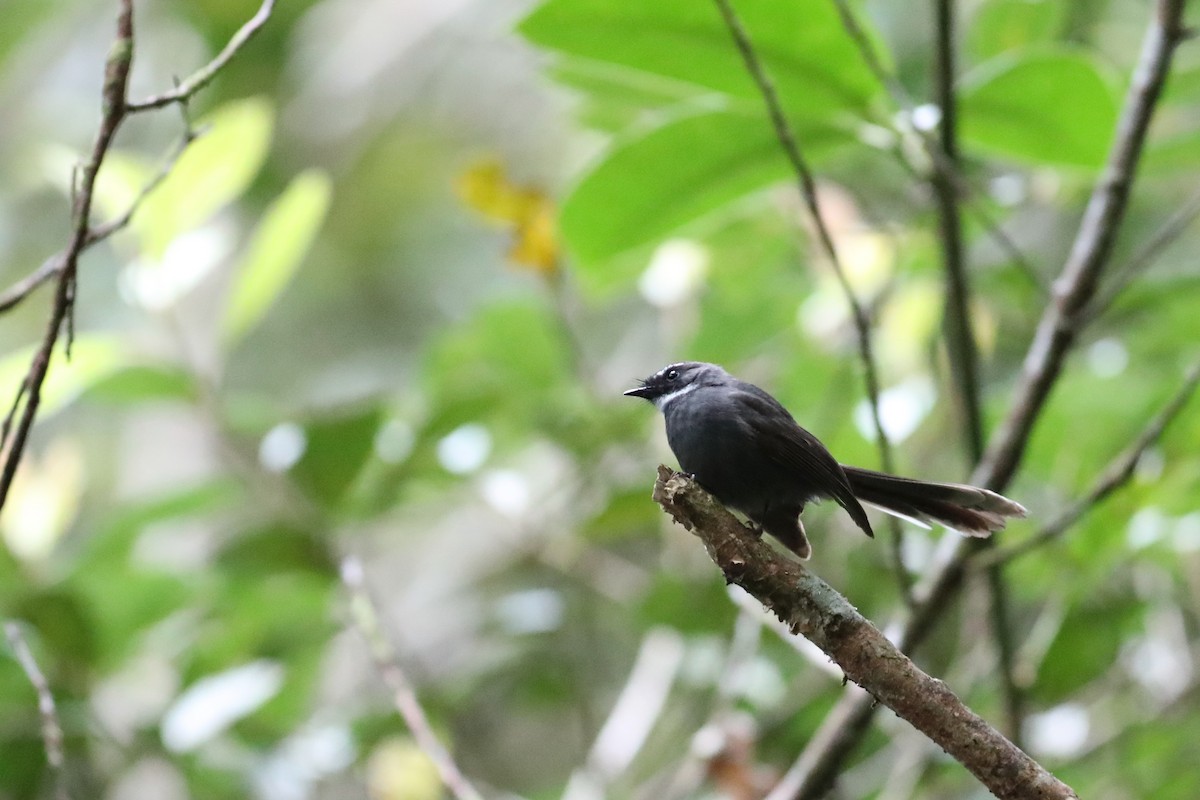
(306,345)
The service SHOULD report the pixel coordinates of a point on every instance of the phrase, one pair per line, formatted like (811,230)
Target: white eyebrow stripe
(663,400)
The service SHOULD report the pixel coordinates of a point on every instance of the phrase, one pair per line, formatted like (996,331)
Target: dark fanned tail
(967,509)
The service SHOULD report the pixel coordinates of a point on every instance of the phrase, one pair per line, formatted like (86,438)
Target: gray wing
(797,451)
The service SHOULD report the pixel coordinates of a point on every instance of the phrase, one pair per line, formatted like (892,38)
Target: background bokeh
(385,308)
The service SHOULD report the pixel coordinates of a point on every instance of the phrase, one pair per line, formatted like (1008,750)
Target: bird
(743,447)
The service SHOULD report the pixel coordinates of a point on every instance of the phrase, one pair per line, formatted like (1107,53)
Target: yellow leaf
(485,188)
(531,215)
(535,241)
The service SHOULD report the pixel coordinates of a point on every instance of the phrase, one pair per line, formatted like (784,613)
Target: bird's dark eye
(672,374)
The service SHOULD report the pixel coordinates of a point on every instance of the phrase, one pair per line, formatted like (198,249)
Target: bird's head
(676,380)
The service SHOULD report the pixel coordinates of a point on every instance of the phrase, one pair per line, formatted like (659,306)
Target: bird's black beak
(644,392)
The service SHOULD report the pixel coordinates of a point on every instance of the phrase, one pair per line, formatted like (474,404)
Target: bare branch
(52,267)
(1118,473)
(1150,250)
(184,90)
(116,78)
(52,734)
(366,618)
(808,191)
(811,607)
(64,266)
(1091,252)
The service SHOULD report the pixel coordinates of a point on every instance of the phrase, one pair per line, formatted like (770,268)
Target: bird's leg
(756,525)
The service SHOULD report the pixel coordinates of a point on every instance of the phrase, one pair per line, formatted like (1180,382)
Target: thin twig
(366,618)
(960,339)
(115,106)
(808,191)
(1150,250)
(52,266)
(101,232)
(1043,364)
(52,734)
(116,77)
(1118,473)
(947,169)
(184,89)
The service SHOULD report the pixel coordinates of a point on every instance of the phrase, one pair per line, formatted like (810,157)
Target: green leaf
(614,97)
(652,186)
(814,65)
(215,170)
(141,383)
(275,548)
(1002,26)
(336,449)
(1041,107)
(280,243)
(503,366)
(93,357)
(110,544)
(24,20)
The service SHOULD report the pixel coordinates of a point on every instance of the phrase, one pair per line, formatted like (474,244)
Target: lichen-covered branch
(812,608)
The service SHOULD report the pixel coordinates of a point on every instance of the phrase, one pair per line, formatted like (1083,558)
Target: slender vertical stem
(960,340)
(956,321)
(807,186)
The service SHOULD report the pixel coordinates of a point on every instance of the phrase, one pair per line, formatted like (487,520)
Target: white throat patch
(662,401)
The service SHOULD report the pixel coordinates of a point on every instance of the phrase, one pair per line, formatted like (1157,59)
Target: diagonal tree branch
(1092,249)
(811,607)
(204,76)
(52,733)
(808,192)
(1118,473)
(366,618)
